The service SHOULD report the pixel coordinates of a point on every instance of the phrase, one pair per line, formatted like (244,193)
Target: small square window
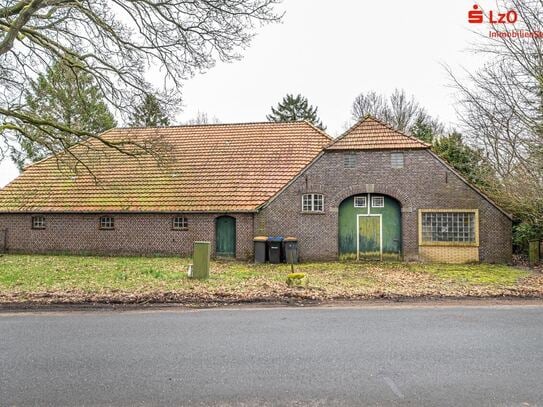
(360,202)
(377,202)
(180,223)
(312,203)
(38,222)
(396,160)
(107,222)
(349,160)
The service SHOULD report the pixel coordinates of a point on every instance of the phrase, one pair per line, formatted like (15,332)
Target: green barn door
(225,235)
(369,237)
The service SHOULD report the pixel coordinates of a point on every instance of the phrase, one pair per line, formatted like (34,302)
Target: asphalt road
(282,356)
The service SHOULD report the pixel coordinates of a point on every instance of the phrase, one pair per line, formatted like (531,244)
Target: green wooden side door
(369,237)
(225,236)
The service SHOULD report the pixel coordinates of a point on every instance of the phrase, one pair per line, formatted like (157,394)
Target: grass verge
(83,279)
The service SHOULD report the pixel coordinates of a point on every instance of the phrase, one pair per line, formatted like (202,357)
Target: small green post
(291,261)
(533,252)
(201,258)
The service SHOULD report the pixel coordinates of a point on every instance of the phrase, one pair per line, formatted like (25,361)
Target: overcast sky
(332,51)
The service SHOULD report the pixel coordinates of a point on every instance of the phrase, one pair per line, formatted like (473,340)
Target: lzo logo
(476,16)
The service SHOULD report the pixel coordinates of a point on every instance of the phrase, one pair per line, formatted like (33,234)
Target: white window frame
(38,222)
(374,198)
(180,222)
(475,242)
(377,215)
(393,164)
(311,206)
(110,225)
(364,200)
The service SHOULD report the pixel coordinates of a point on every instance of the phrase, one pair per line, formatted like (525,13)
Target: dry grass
(49,279)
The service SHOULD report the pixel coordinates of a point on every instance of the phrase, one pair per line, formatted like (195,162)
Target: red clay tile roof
(210,168)
(372,134)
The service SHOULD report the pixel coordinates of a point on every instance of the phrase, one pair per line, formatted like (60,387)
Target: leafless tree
(398,110)
(116,42)
(501,107)
(203,118)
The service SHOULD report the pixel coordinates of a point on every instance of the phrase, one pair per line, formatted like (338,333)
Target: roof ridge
(398,131)
(319,130)
(208,125)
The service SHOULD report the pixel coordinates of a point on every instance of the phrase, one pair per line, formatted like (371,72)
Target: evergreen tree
(149,113)
(293,108)
(426,129)
(465,159)
(67,95)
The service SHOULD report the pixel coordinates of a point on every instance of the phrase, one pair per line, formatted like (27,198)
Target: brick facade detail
(423,183)
(147,234)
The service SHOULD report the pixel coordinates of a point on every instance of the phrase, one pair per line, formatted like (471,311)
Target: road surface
(408,355)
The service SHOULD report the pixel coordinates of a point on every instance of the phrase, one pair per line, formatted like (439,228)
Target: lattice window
(396,160)
(38,222)
(377,202)
(312,203)
(107,222)
(360,202)
(180,223)
(349,160)
(455,227)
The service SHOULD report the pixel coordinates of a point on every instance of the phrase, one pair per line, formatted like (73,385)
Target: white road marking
(393,386)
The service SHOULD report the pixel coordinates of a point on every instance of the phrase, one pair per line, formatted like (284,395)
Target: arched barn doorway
(225,236)
(370,227)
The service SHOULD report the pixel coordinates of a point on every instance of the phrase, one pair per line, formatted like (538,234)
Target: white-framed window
(455,227)
(377,202)
(107,222)
(396,160)
(180,223)
(312,203)
(349,160)
(360,202)
(38,222)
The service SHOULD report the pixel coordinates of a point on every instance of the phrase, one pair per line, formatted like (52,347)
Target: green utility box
(534,254)
(201,257)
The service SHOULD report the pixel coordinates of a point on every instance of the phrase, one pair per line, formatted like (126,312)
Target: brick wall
(423,183)
(133,234)
(449,254)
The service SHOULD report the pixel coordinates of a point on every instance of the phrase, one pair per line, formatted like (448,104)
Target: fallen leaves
(83,280)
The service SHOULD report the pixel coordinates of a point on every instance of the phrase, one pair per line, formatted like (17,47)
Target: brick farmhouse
(372,193)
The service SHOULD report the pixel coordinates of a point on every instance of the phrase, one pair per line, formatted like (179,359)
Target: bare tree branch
(501,108)
(117,42)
